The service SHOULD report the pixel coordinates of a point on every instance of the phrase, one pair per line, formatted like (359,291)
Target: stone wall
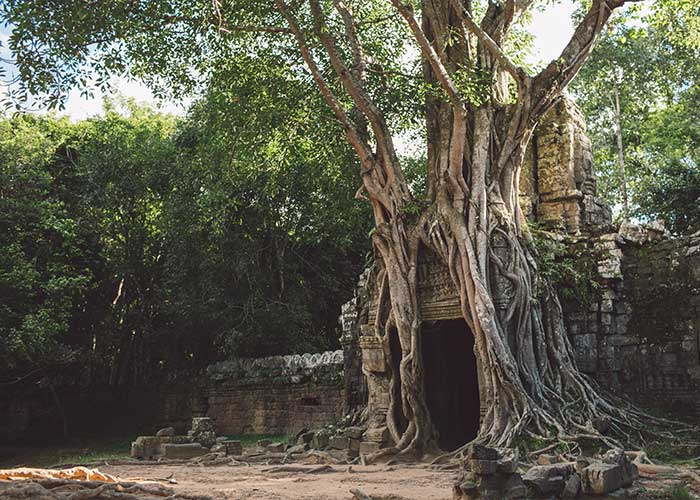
(642,335)
(277,395)
(273,395)
(354,313)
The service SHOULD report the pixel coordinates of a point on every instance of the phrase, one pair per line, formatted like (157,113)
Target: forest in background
(138,245)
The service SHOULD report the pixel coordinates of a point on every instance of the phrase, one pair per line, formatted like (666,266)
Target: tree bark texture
(471,218)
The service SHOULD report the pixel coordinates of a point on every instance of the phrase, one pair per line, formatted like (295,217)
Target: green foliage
(144,245)
(474,84)
(569,269)
(652,58)
(43,254)
(251,440)
(679,492)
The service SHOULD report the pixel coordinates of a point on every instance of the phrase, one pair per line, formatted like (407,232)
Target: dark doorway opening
(396,355)
(451,381)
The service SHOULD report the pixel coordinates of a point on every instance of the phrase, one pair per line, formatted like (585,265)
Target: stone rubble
(200,440)
(493,475)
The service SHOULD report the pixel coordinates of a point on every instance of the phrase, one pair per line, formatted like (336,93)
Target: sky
(552,29)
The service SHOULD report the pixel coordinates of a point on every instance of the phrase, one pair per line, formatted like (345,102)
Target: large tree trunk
(471,219)
(530,381)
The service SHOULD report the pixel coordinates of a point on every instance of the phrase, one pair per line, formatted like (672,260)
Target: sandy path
(250,483)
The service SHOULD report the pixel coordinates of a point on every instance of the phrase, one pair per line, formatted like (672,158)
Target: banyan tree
(478,106)
(470,219)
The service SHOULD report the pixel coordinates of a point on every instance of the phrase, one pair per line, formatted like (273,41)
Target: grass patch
(88,449)
(679,492)
(98,451)
(250,440)
(79,450)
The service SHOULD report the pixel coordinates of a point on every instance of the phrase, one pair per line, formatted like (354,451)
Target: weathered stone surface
(601,478)
(296,368)
(305,438)
(167,431)
(572,488)
(633,233)
(378,434)
(202,424)
(298,448)
(513,488)
(354,444)
(508,461)
(232,447)
(490,487)
(203,431)
(481,452)
(205,438)
(548,479)
(367,447)
(372,354)
(339,443)
(629,470)
(275,447)
(320,441)
(183,451)
(482,467)
(354,432)
(146,447)
(631,493)
(465,490)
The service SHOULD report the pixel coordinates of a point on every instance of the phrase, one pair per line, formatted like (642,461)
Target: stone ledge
(296,368)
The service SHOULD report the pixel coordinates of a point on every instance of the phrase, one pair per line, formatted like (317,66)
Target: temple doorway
(451,381)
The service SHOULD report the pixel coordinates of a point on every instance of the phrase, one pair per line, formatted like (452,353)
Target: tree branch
(227,28)
(254,29)
(359,69)
(440,70)
(371,174)
(516,72)
(552,80)
(362,149)
(385,143)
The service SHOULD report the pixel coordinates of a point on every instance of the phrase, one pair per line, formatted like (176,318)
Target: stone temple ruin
(639,334)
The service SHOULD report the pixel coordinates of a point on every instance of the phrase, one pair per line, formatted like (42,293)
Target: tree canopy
(136,244)
(651,56)
(449,68)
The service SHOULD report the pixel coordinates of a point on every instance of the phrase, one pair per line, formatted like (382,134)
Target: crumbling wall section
(276,395)
(642,334)
(557,185)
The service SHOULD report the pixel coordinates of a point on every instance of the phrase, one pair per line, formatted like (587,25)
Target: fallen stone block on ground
(183,451)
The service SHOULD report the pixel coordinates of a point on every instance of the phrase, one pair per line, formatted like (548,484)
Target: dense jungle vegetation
(135,245)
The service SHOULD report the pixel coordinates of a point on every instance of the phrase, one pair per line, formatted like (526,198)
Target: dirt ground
(252,483)
(400,482)
(306,482)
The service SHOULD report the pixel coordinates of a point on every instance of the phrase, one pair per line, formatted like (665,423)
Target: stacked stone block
(491,476)
(641,335)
